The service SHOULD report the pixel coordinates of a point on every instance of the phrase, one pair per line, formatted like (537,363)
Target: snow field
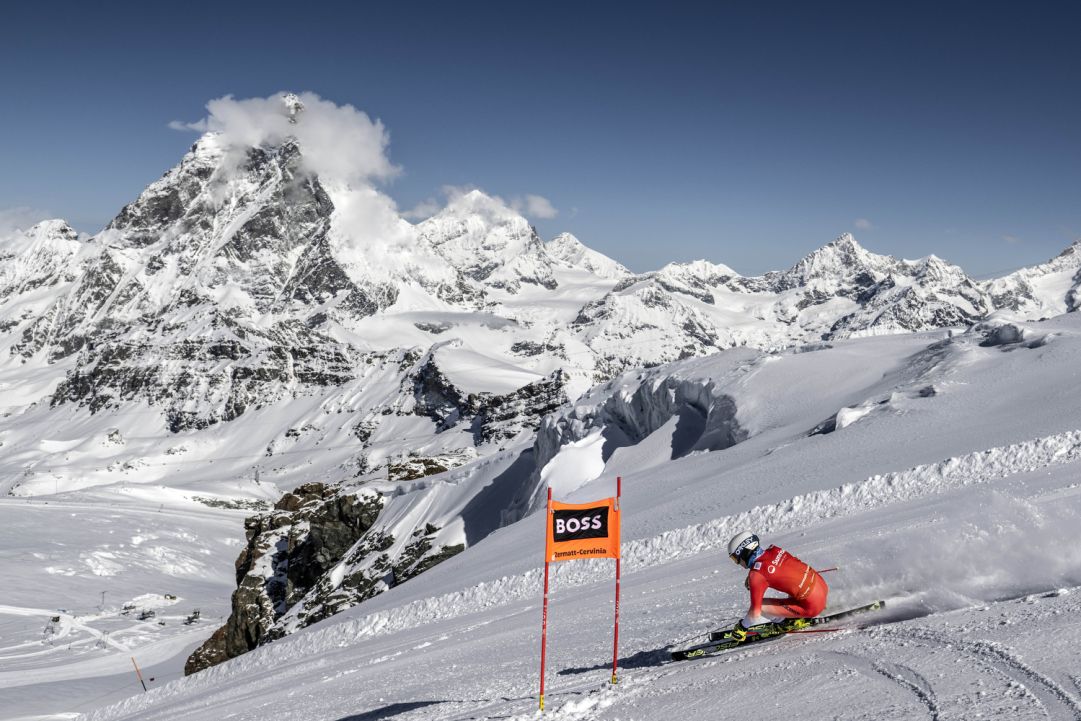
(59,557)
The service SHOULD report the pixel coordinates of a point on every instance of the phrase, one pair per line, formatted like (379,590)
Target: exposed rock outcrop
(315,554)
(288,551)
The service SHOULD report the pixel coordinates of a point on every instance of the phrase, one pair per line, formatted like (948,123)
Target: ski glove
(739,633)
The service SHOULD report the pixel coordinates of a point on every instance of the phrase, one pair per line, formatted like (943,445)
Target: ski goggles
(737,557)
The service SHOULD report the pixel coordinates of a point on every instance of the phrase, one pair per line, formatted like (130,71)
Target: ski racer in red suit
(778,569)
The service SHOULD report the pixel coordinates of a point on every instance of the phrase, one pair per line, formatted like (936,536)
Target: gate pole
(544,613)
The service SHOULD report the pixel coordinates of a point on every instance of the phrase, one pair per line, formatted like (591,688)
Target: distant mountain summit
(840,263)
(1041,291)
(568,249)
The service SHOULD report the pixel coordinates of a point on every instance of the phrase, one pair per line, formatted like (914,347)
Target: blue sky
(744,133)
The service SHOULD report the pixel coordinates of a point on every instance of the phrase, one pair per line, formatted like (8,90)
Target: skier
(776,568)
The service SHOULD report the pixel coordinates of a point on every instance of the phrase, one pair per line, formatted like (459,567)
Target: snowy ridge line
(845,500)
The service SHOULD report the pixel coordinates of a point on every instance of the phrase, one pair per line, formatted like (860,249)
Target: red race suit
(778,569)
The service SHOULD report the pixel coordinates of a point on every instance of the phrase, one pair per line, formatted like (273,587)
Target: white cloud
(423,210)
(1011,239)
(430,206)
(199,126)
(339,142)
(20,218)
(862,224)
(535,206)
(347,150)
(455,192)
(532,206)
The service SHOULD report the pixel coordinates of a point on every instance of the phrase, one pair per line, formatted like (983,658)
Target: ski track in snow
(1050,694)
(911,680)
(904,677)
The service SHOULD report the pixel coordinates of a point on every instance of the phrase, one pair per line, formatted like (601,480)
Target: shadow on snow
(388,711)
(642,659)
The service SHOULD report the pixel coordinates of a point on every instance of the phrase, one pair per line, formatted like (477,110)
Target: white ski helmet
(742,547)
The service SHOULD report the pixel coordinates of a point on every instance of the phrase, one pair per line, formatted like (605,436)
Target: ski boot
(764,629)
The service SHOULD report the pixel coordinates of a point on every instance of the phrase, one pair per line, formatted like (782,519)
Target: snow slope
(959,507)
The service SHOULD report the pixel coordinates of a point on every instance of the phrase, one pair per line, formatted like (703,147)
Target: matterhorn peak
(293,106)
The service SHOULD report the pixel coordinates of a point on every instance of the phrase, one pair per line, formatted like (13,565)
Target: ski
(820,620)
(725,636)
(727,644)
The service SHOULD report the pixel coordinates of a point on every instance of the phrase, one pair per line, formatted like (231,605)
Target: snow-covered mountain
(248,335)
(1041,291)
(840,290)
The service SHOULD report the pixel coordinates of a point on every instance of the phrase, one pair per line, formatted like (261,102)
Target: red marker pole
(138,673)
(544,613)
(615,636)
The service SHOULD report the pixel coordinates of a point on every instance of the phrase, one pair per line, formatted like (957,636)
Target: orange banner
(582,530)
